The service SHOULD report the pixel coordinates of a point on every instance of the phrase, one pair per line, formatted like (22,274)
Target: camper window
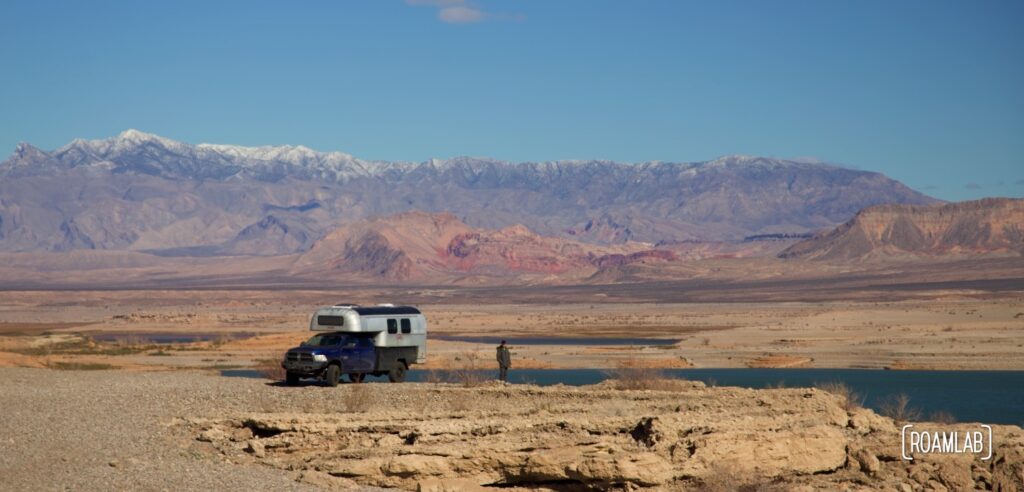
(406,325)
(392,326)
(325,320)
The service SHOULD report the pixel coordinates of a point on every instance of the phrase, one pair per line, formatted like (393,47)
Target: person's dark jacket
(504,356)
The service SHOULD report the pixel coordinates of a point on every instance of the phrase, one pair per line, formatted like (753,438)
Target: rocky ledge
(683,436)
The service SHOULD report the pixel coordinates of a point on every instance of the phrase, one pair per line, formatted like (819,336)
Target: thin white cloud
(460,15)
(462,11)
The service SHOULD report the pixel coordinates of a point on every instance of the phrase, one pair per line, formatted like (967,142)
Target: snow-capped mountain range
(139,191)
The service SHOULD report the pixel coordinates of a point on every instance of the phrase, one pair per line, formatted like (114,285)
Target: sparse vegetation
(84,345)
(636,374)
(468,371)
(852,400)
(79,366)
(359,398)
(222,367)
(942,417)
(271,369)
(897,407)
(434,376)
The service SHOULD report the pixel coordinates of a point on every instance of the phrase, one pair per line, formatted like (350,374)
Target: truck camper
(356,341)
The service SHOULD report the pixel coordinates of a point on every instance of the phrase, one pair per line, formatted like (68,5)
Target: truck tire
(291,379)
(397,373)
(332,374)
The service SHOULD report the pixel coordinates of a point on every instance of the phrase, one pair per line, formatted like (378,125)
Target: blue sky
(928,92)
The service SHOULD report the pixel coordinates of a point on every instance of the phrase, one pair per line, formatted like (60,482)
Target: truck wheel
(291,379)
(332,375)
(356,378)
(397,373)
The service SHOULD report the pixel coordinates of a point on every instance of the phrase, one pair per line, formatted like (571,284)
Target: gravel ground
(113,430)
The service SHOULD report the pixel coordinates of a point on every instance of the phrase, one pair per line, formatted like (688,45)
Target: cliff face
(983,227)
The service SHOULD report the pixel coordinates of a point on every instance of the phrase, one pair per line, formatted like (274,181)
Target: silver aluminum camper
(395,326)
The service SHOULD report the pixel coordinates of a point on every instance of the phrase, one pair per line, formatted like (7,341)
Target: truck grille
(295,357)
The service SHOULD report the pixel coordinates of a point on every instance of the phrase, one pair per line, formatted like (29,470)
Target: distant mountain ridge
(987,226)
(143,192)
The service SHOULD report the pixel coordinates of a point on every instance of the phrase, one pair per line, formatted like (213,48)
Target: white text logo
(946,442)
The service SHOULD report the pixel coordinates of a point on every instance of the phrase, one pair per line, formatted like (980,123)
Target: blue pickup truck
(357,341)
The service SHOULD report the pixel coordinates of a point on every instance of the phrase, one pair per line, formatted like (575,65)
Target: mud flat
(103,430)
(953,330)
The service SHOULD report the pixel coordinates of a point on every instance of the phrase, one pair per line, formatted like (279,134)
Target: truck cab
(356,341)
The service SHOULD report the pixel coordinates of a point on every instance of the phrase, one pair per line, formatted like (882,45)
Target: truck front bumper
(303,366)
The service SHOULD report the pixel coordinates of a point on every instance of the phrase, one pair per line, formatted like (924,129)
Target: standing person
(504,361)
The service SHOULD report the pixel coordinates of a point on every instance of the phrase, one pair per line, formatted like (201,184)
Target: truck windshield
(325,340)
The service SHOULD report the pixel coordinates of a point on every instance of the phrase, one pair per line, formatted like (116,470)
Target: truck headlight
(320,357)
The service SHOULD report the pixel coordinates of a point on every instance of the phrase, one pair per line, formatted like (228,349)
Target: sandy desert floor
(183,430)
(241,329)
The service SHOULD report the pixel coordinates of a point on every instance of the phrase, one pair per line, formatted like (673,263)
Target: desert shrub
(897,407)
(359,398)
(942,417)
(79,366)
(467,371)
(222,367)
(221,340)
(434,376)
(271,369)
(634,374)
(852,400)
(458,403)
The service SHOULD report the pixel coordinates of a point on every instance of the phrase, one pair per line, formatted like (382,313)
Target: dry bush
(942,417)
(898,408)
(434,376)
(79,366)
(459,403)
(467,371)
(221,340)
(851,399)
(635,374)
(271,369)
(359,398)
